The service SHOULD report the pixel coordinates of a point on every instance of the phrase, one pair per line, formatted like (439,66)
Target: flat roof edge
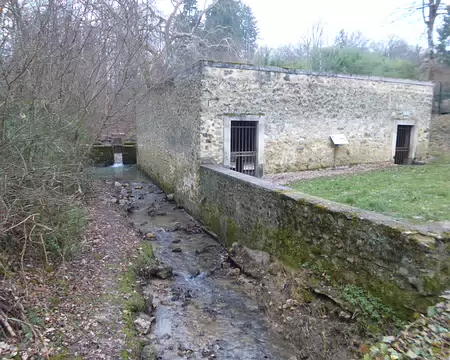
(239,66)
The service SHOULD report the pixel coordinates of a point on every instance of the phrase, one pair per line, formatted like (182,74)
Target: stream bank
(191,299)
(220,304)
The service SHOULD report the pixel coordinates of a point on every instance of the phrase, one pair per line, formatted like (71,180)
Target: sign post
(338,140)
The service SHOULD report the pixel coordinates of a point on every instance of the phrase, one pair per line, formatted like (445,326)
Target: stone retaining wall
(405,265)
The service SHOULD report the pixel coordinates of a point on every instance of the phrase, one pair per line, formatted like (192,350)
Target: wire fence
(441,103)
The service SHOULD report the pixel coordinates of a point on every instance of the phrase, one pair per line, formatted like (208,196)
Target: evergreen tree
(188,16)
(231,27)
(443,48)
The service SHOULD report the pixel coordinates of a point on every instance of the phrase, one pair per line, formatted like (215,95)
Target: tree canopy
(443,47)
(232,26)
(350,53)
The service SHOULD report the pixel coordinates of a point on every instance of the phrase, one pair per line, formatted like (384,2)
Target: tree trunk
(432,7)
(431,58)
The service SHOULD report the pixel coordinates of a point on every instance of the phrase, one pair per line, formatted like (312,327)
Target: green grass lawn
(419,193)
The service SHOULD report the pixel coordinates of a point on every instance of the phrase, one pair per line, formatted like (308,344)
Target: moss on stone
(435,284)
(163,185)
(348,249)
(232,231)
(286,245)
(321,208)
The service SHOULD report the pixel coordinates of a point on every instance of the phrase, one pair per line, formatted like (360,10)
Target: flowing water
(118,160)
(124,172)
(202,312)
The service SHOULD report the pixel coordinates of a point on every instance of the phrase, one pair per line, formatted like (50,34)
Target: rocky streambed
(205,302)
(198,308)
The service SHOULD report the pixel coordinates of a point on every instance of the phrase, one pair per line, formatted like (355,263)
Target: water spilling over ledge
(118,159)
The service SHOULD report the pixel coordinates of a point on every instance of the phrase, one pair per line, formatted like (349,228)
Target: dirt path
(286,178)
(94,303)
(78,309)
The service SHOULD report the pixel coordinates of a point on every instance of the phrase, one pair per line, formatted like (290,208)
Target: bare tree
(430,11)
(66,67)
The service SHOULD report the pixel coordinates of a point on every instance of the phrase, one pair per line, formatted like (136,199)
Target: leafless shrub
(68,71)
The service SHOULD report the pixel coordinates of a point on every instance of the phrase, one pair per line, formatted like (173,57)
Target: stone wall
(168,135)
(182,125)
(104,155)
(404,265)
(440,134)
(302,110)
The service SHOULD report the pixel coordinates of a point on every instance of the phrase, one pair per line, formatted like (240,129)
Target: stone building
(260,120)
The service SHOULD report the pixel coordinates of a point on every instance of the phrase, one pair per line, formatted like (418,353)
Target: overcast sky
(286,21)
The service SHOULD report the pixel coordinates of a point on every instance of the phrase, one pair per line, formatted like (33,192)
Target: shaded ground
(201,312)
(229,305)
(419,193)
(287,178)
(78,311)
(428,337)
(212,308)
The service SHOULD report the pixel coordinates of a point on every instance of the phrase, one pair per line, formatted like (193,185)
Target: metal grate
(243,147)
(402,145)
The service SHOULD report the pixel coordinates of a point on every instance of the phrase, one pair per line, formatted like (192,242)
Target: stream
(205,310)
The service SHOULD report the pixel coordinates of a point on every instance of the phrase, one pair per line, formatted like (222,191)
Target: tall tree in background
(231,25)
(444,39)
(350,53)
(189,15)
(430,10)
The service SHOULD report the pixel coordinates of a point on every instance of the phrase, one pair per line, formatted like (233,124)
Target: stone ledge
(406,266)
(275,69)
(424,232)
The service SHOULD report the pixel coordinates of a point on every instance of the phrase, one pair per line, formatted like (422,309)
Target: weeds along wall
(406,267)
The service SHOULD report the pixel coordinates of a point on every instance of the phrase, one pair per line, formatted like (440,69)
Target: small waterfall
(118,159)
(118,150)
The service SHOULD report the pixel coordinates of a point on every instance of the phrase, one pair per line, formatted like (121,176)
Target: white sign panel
(339,139)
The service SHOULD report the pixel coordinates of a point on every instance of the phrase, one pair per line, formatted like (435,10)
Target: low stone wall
(104,155)
(440,135)
(404,265)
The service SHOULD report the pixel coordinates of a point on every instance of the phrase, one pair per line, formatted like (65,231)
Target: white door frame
(412,139)
(260,119)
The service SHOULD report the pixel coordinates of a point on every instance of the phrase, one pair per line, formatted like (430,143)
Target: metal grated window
(243,147)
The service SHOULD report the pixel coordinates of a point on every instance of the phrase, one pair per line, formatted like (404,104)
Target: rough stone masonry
(184,122)
(185,125)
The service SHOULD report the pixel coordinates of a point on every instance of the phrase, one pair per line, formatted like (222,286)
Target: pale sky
(283,22)
(286,21)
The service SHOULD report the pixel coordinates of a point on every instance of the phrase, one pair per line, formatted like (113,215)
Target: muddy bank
(222,305)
